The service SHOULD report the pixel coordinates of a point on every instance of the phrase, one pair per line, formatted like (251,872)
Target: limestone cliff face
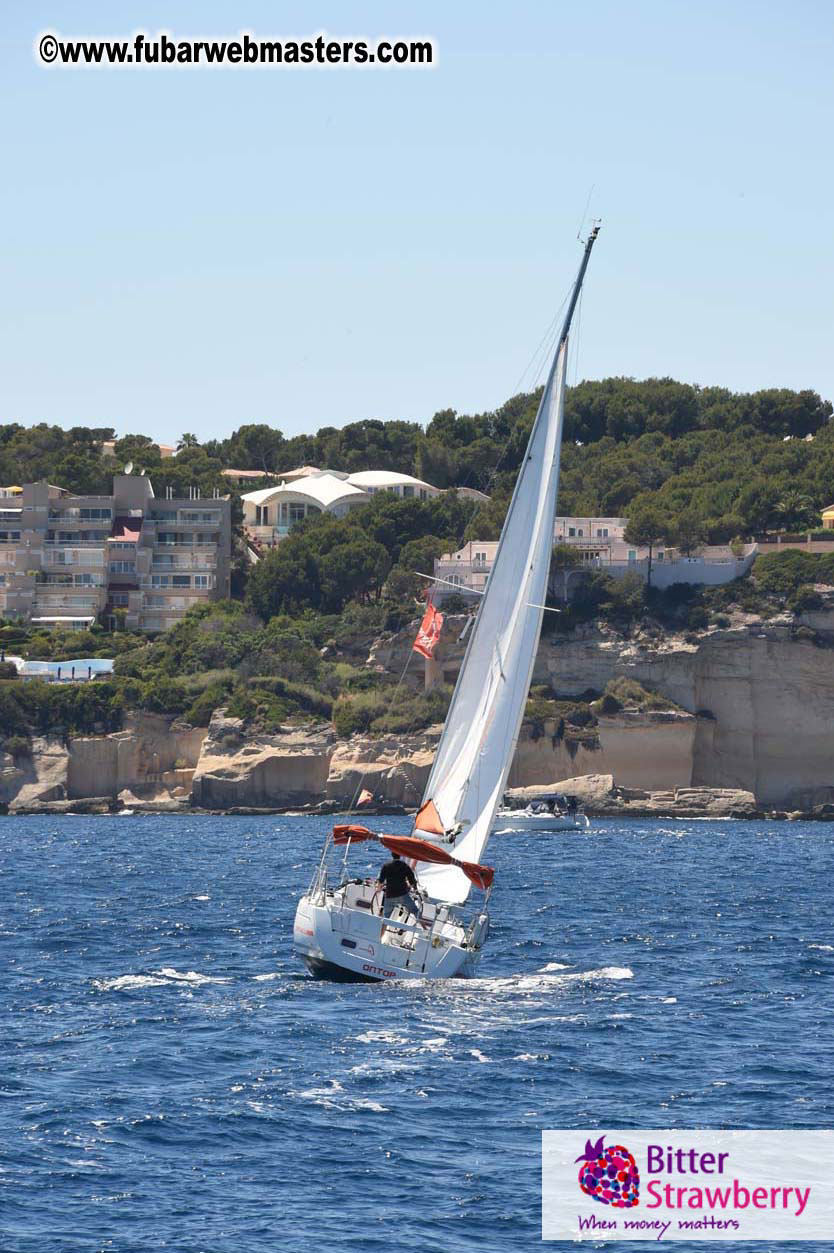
(757,715)
(641,750)
(760,696)
(395,767)
(152,759)
(764,700)
(152,755)
(36,778)
(242,768)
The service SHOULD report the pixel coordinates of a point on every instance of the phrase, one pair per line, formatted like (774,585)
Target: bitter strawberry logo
(609,1175)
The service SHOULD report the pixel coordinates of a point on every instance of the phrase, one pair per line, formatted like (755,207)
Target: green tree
(285,580)
(688,533)
(647,525)
(356,569)
(795,510)
(565,558)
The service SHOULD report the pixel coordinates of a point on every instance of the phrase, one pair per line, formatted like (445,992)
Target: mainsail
(479,738)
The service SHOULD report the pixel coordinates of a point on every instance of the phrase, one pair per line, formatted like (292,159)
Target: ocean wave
(335,1097)
(167,976)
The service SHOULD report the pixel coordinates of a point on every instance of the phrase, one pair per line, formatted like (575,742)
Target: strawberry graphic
(609,1175)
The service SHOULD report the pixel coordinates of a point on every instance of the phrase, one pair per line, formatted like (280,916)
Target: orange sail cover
(419,850)
(429,632)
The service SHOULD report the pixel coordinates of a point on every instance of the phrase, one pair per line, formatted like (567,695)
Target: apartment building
(70,560)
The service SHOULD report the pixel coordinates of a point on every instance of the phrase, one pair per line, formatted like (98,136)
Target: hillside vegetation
(692,463)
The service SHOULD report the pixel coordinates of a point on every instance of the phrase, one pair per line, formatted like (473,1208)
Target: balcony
(83,604)
(54,545)
(161,564)
(195,543)
(169,589)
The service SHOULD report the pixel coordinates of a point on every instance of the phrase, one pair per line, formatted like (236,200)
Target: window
(580,532)
(83,580)
(296,513)
(122,567)
(632,555)
(123,546)
(602,532)
(571,531)
(160,580)
(9,537)
(661,555)
(201,580)
(155,601)
(423,493)
(95,515)
(164,515)
(408,493)
(181,580)
(120,600)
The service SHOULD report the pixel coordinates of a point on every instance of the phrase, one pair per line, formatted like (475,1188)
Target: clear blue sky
(194,250)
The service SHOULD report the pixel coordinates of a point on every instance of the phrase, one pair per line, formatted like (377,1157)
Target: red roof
(127,529)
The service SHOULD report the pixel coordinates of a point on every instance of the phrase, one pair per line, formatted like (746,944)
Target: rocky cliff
(757,696)
(151,761)
(238,768)
(756,715)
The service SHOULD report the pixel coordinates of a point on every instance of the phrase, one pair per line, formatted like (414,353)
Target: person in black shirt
(396,877)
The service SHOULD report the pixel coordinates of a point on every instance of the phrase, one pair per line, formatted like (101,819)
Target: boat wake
(166,977)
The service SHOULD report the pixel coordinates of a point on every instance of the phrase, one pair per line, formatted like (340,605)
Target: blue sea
(172,1079)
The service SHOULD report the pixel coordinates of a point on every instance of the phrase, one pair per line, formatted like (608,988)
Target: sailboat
(339,931)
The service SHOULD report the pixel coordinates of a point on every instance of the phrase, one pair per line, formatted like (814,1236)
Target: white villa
(600,545)
(403,485)
(270,512)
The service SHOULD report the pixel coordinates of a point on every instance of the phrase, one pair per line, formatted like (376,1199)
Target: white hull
(522,820)
(338,938)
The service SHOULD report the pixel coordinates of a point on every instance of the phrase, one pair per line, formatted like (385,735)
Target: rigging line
(548,339)
(435,578)
(548,343)
(585,212)
(352,806)
(576,343)
(548,336)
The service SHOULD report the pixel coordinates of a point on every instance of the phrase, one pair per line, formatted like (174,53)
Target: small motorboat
(547,813)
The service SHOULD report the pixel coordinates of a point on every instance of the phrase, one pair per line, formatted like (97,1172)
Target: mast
(577,287)
(482,725)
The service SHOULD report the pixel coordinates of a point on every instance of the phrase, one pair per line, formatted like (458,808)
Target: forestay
(473,758)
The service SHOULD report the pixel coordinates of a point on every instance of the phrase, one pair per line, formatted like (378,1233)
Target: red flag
(365,797)
(429,632)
